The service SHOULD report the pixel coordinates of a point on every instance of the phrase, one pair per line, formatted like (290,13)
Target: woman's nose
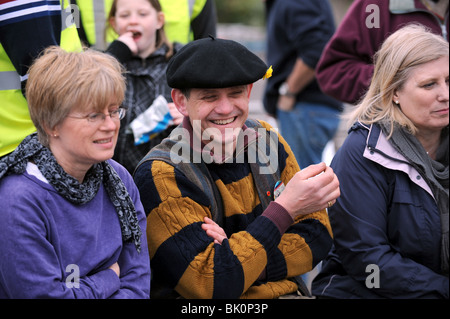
(443,92)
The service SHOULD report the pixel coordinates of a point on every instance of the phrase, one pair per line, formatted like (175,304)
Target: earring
(396,102)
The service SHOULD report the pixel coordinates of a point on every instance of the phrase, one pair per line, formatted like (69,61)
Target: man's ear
(249,89)
(180,101)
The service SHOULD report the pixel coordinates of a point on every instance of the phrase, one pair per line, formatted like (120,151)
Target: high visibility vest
(15,122)
(179,14)
(94,15)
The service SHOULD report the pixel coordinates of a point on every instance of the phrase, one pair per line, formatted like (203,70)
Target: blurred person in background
(27,28)
(144,51)
(346,66)
(185,20)
(297,32)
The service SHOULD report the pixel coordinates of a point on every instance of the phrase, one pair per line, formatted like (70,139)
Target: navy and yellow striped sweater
(265,247)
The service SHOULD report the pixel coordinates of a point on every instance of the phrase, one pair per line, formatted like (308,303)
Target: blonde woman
(390,224)
(72,224)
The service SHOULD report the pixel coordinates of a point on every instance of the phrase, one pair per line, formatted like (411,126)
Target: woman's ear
(51,132)
(395,97)
(180,101)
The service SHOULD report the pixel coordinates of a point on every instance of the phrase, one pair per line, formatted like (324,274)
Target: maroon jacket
(346,66)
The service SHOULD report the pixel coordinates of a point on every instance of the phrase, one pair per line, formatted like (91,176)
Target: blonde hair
(404,50)
(60,82)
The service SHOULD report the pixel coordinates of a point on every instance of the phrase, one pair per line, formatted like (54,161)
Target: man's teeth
(223,122)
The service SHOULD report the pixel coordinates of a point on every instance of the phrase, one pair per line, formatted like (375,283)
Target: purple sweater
(346,66)
(47,241)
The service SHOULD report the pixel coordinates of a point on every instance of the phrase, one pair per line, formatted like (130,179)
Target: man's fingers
(312,170)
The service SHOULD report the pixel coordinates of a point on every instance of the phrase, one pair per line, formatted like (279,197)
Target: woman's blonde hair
(60,82)
(403,51)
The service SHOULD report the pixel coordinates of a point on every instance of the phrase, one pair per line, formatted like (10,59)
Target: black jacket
(296,29)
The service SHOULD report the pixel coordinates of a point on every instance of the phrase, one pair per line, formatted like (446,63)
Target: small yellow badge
(268,73)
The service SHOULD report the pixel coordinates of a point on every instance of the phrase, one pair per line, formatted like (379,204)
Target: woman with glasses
(71,221)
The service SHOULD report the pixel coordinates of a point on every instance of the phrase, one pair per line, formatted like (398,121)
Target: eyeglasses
(100,117)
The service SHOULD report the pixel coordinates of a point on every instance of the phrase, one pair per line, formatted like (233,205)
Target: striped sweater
(265,247)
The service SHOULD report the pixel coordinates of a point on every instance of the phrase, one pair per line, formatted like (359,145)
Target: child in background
(144,50)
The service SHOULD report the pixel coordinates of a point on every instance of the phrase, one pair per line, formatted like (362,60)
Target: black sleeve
(120,51)
(24,35)
(205,23)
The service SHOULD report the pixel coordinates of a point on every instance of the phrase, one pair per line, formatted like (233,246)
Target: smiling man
(219,226)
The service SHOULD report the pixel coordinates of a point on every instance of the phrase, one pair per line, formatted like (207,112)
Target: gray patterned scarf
(71,189)
(434,172)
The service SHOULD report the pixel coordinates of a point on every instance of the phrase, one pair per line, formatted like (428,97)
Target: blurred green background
(248,12)
(251,12)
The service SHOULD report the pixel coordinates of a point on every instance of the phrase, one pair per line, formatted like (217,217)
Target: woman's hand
(115,267)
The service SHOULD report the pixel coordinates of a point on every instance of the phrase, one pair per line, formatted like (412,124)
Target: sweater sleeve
(120,51)
(27,28)
(346,66)
(28,259)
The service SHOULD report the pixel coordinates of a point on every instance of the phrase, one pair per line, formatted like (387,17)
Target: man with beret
(229,213)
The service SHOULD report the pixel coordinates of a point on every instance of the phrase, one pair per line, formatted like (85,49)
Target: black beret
(214,63)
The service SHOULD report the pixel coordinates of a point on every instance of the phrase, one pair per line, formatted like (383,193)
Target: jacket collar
(379,150)
(405,6)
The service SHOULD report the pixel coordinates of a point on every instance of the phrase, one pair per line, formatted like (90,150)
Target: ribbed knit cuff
(279,216)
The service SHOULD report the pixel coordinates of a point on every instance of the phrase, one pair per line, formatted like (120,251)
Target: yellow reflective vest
(94,15)
(179,14)
(15,122)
